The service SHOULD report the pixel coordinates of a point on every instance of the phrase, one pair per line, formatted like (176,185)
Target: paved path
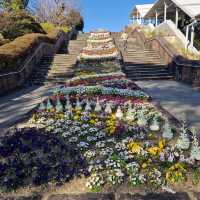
(177,98)
(14,106)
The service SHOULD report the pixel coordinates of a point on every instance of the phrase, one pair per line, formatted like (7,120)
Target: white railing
(169,27)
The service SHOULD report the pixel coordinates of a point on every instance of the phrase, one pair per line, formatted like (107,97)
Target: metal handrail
(25,65)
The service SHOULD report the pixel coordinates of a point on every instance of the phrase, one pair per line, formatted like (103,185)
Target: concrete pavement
(179,99)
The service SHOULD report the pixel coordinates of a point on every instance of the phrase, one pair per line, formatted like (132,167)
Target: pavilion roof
(190,7)
(141,9)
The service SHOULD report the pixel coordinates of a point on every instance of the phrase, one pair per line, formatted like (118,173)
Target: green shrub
(49,27)
(13,54)
(15,24)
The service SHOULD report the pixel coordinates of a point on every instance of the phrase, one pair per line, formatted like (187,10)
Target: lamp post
(177,15)
(156,18)
(165,11)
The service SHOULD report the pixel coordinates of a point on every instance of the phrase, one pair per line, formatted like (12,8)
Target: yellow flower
(144,165)
(76,117)
(162,144)
(176,173)
(154,150)
(135,147)
(92,121)
(157,149)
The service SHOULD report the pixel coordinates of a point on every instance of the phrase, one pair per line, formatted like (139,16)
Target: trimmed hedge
(13,54)
(15,24)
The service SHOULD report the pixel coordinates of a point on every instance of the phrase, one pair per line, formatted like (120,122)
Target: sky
(112,15)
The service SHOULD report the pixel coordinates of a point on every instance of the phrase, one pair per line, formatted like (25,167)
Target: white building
(139,12)
(184,13)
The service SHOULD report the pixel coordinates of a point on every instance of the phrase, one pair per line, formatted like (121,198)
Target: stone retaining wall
(110,196)
(184,70)
(11,81)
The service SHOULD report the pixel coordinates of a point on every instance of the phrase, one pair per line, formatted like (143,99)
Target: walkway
(177,98)
(15,106)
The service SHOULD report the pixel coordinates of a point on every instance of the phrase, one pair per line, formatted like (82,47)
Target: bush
(30,157)
(15,24)
(13,54)
(49,27)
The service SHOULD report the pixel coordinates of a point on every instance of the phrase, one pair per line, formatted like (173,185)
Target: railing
(12,80)
(184,70)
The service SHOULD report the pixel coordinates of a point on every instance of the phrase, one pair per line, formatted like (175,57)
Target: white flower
(67,134)
(83,145)
(100,144)
(73,139)
(90,154)
(101,134)
(91,138)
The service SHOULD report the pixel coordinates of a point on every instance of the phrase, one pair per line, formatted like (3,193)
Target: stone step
(146,68)
(63,76)
(56,66)
(57,60)
(61,70)
(156,63)
(152,78)
(64,63)
(141,57)
(148,74)
(140,54)
(58,80)
(138,61)
(135,58)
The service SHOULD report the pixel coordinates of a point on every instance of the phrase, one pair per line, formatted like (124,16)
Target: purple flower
(162,157)
(171,157)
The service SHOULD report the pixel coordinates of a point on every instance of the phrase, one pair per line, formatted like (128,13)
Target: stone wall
(11,81)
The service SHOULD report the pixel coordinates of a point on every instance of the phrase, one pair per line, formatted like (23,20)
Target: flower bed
(100,45)
(115,80)
(122,137)
(99,56)
(33,157)
(97,66)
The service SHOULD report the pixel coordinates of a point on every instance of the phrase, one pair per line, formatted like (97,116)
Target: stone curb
(110,196)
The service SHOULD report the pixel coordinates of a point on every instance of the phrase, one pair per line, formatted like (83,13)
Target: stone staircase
(56,69)
(141,64)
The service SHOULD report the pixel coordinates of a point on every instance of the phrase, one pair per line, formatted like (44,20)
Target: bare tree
(55,11)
